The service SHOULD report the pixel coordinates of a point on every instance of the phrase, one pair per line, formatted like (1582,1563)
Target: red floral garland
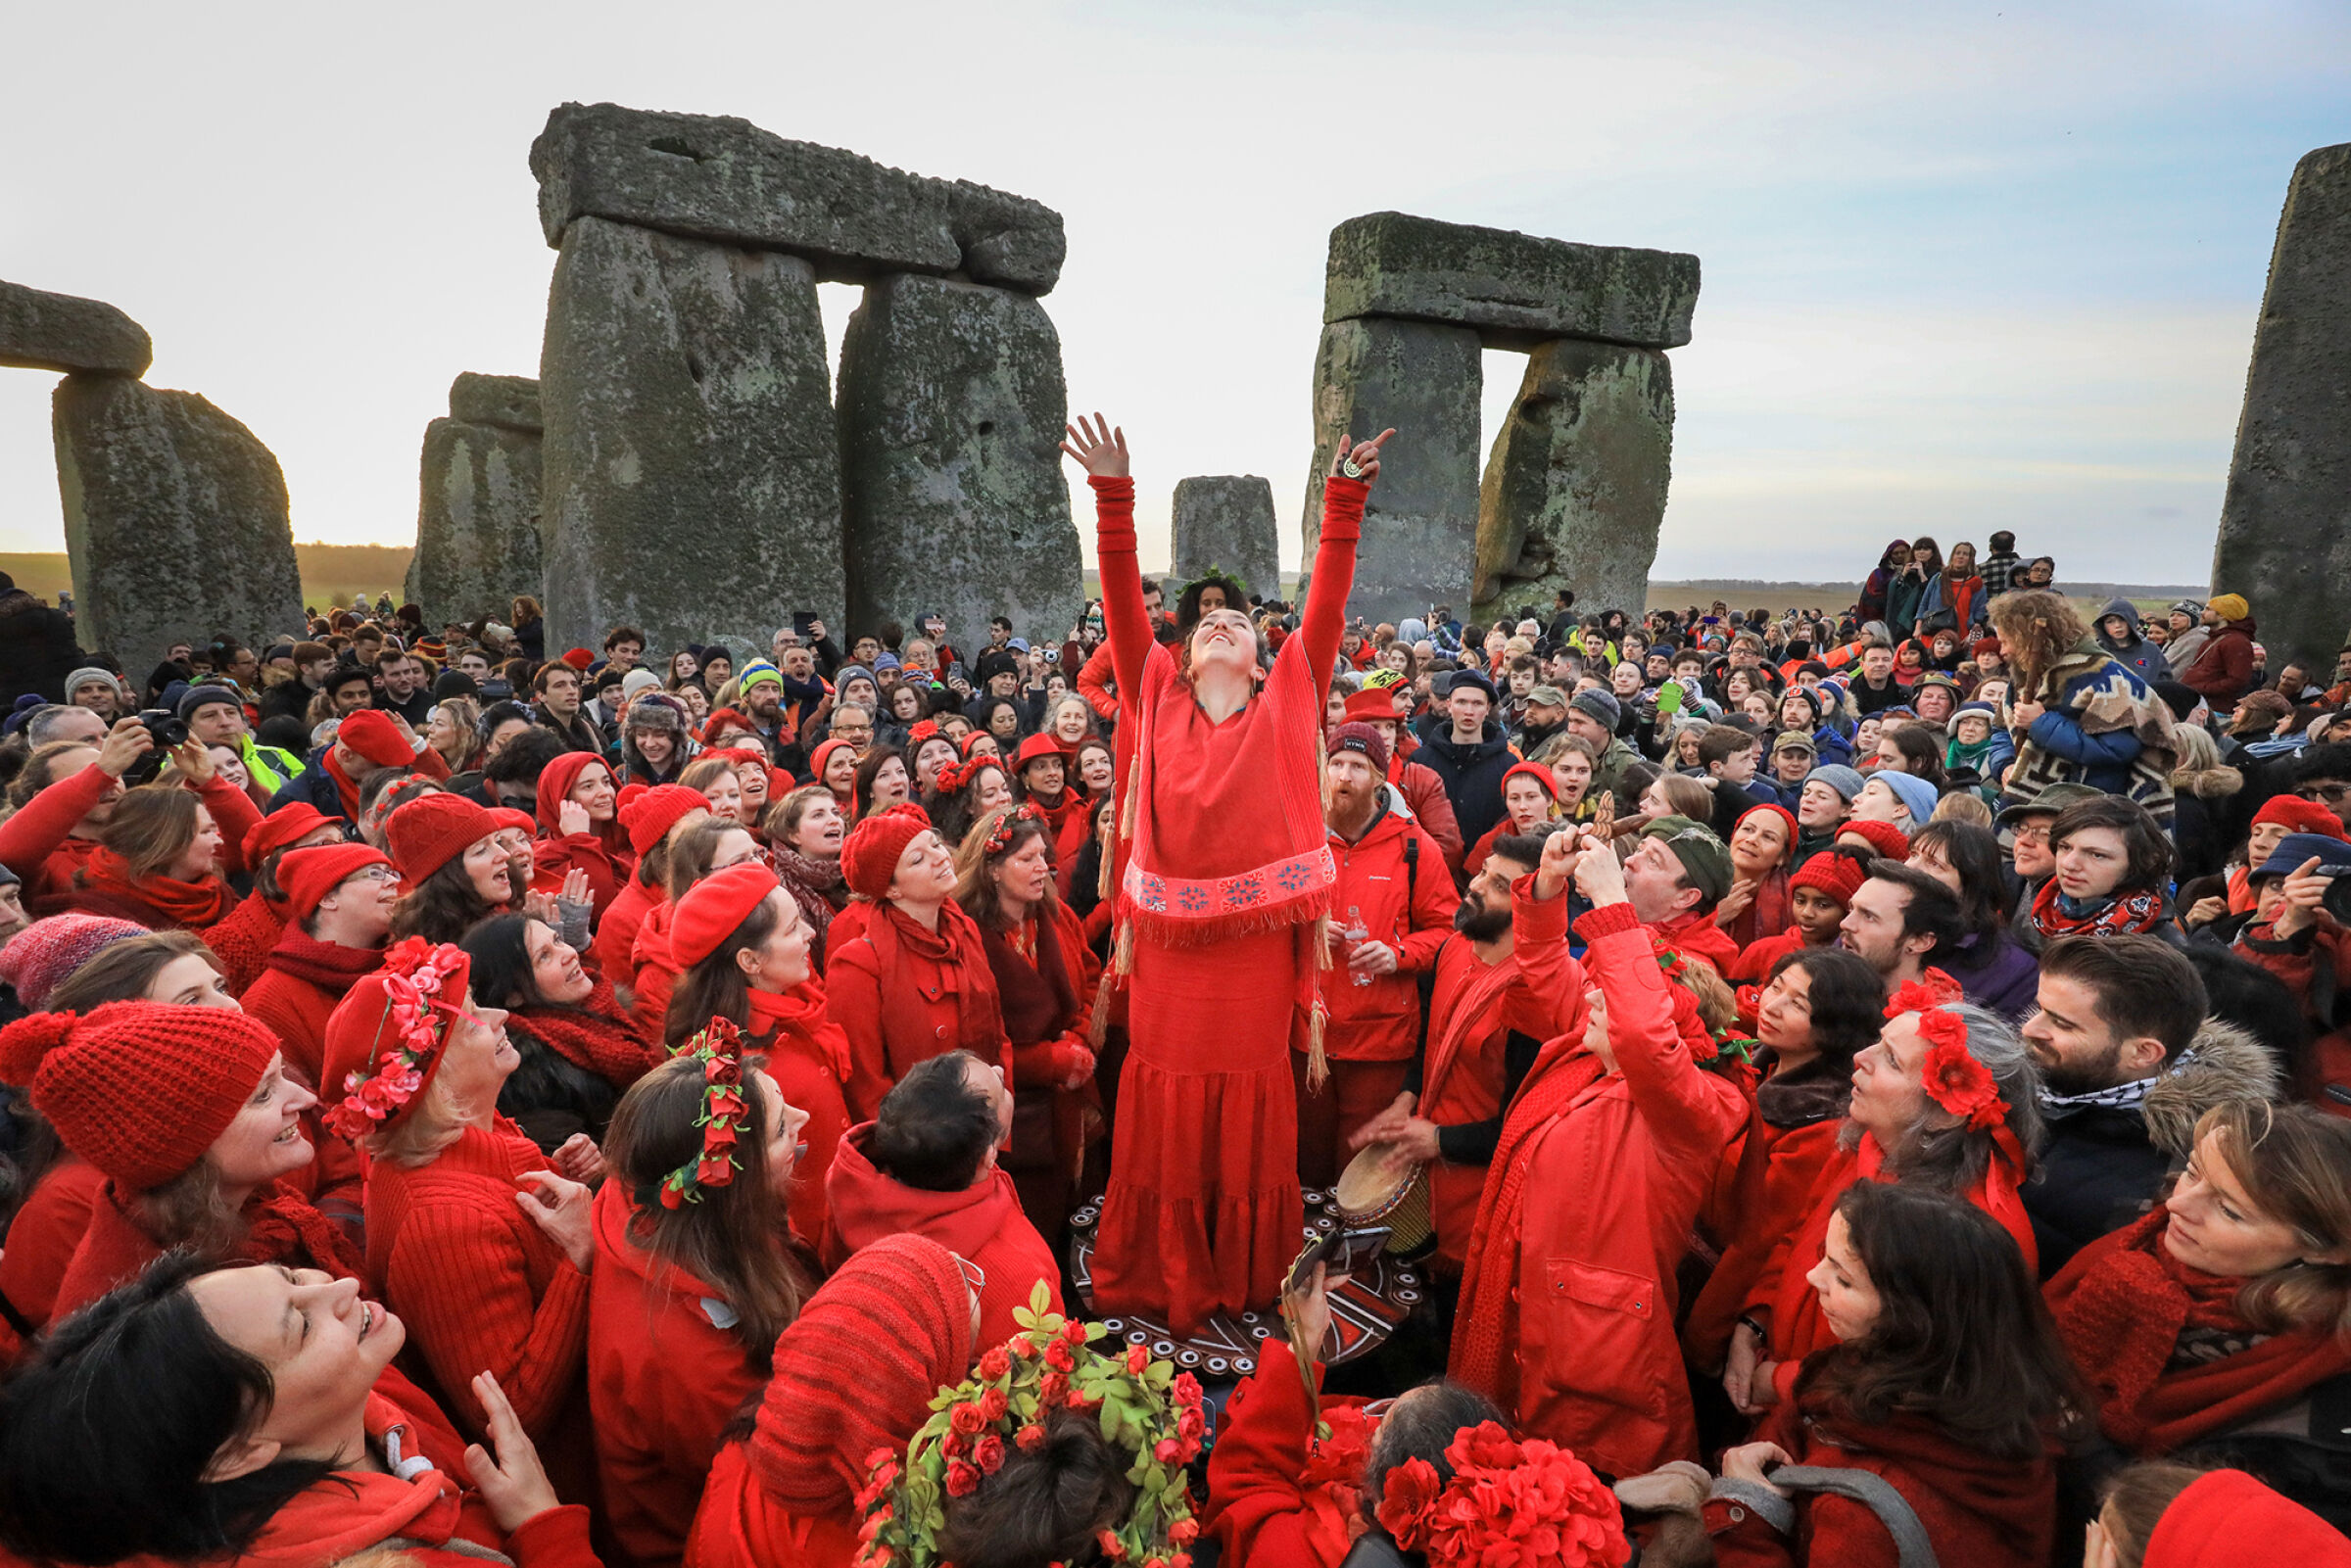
(718,1046)
(1509,1504)
(1001,835)
(416,972)
(1950,1075)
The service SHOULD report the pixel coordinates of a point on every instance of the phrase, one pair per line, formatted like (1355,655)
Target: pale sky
(1965,266)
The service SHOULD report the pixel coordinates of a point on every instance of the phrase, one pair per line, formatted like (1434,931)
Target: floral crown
(953,775)
(1724,1050)
(1145,1406)
(718,1047)
(1952,1077)
(1001,835)
(1528,1503)
(415,983)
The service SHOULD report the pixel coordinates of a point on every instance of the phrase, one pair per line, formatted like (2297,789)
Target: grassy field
(327,570)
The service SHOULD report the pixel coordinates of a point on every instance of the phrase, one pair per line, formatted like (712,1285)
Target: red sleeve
(1681,1104)
(1435,811)
(853,1000)
(32,834)
(1256,1509)
(1093,680)
(556,1538)
(431,764)
(459,1282)
(1434,903)
(1334,580)
(1548,1001)
(580,852)
(234,814)
(1122,614)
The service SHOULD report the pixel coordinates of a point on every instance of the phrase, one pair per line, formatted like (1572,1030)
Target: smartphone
(1669,697)
(803,620)
(1341,1251)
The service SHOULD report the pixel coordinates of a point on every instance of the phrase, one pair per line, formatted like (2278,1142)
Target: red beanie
(431,830)
(310,875)
(2300,816)
(651,814)
(1532,770)
(1885,838)
(1838,875)
(138,1089)
(282,827)
(2211,1524)
(898,1311)
(578,658)
(823,755)
(1373,703)
(40,957)
(373,735)
(714,906)
(868,856)
(362,1028)
(971,742)
(1786,817)
(503,818)
(722,720)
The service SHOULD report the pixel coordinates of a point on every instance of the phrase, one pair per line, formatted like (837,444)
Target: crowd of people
(1880,1082)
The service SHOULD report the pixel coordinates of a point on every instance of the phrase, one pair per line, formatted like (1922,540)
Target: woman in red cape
(1225,879)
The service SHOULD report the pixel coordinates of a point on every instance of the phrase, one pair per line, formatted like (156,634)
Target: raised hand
(1100,449)
(125,744)
(1364,455)
(507,1474)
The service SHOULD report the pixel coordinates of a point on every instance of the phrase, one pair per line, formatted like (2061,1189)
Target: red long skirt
(1202,1215)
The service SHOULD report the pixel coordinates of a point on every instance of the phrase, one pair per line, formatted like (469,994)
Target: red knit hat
(138,1089)
(372,735)
(503,818)
(40,958)
(1373,703)
(1036,748)
(714,907)
(868,856)
(899,1312)
(1838,875)
(578,658)
(2210,1524)
(431,830)
(1787,818)
(1358,737)
(722,720)
(651,814)
(1885,838)
(364,1026)
(2298,815)
(823,755)
(1532,770)
(310,875)
(287,825)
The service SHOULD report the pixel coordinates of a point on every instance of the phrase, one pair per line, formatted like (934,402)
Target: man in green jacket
(216,717)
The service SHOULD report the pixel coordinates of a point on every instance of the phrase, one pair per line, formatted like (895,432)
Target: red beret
(310,875)
(2300,815)
(503,818)
(373,735)
(1838,875)
(283,826)
(868,856)
(431,830)
(1372,702)
(714,907)
(652,814)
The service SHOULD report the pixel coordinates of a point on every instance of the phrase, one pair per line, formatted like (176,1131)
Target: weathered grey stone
(175,521)
(952,413)
(1421,526)
(1576,485)
(477,520)
(1515,289)
(510,402)
(41,331)
(2285,519)
(691,486)
(1225,522)
(716,177)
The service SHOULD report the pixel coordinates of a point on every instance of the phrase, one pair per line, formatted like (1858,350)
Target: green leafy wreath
(1146,1408)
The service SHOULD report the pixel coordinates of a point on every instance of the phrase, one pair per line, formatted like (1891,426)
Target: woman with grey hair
(1947,1099)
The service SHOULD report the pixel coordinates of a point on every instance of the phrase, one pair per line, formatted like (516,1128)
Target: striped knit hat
(900,1312)
(41,956)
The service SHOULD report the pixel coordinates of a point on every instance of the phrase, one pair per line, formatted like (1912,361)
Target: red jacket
(1979,1510)
(1778,1206)
(982,1222)
(905,994)
(651,972)
(1612,1177)
(43,1236)
(1698,936)
(664,1379)
(2297,960)
(616,931)
(480,1286)
(1406,904)
(2223,669)
(1425,792)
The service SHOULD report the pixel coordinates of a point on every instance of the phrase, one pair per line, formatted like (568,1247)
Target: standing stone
(175,521)
(951,415)
(1575,489)
(1227,522)
(41,331)
(1421,526)
(2286,520)
(692,484)
(478,540)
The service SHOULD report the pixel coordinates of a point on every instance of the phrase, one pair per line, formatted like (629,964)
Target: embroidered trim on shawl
(1266,891)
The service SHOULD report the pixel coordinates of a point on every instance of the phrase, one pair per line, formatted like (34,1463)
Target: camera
(165,728)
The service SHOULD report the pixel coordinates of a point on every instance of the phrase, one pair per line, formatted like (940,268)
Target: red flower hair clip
(416,984)
(923,730)
(718,1046)
(953,775)
(1950,1075)
(1001,836)
(1530,1504)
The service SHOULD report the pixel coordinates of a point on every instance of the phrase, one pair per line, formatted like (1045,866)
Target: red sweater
(1263,1510)
(243,941)
(616,934)
(37,842)
(663,1380)
(480,1286)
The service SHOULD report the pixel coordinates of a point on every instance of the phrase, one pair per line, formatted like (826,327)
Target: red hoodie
(984,1222)
(604,853)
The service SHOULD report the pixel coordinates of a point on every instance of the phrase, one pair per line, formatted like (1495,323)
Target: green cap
(2056,798)
(1706,862)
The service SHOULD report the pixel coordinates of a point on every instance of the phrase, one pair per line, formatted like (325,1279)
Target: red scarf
(957,943)
(186,906)
(1766,914)
(329,966)
(800,1014)
(2122,917)
(343,788)
(596,1036)
(2121,1307)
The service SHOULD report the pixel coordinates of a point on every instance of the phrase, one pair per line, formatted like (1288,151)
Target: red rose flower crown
(1145,1406)
(718,1046)
(415,983)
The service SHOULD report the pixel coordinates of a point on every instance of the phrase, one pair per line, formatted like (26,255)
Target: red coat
(1431,806)
(663,1381)
(982,1222)
(1975,1509)
(808,1057)
(1698,936)
(480,1286)
(617,932)
(904,995)
(1410,908)
(298,992)
(1769,1217)
(44,1234)
(650,970)
(1609,1170)
(2223,669)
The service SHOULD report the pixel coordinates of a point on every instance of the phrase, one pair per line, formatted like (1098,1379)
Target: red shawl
(596,1036)
(330,965)
(2130,914)
(1766,915)
(2120,1306)
(177,905)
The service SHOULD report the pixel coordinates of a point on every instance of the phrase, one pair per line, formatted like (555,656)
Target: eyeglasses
(2037,833)
(2322,792)
(375,873)
(973,1274)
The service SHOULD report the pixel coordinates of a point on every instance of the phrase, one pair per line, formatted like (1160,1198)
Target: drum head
(1374,1178)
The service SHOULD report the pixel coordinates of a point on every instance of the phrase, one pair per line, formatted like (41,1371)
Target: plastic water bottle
(1355,931)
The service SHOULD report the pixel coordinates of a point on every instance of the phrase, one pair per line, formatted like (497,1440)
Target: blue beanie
(1916,795)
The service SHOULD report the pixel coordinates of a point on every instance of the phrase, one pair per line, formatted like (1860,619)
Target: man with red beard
(1416,781)
(1390,912)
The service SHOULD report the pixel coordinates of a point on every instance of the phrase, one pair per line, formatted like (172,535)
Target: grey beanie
(1839,778)
(1599,704)
(89,672)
